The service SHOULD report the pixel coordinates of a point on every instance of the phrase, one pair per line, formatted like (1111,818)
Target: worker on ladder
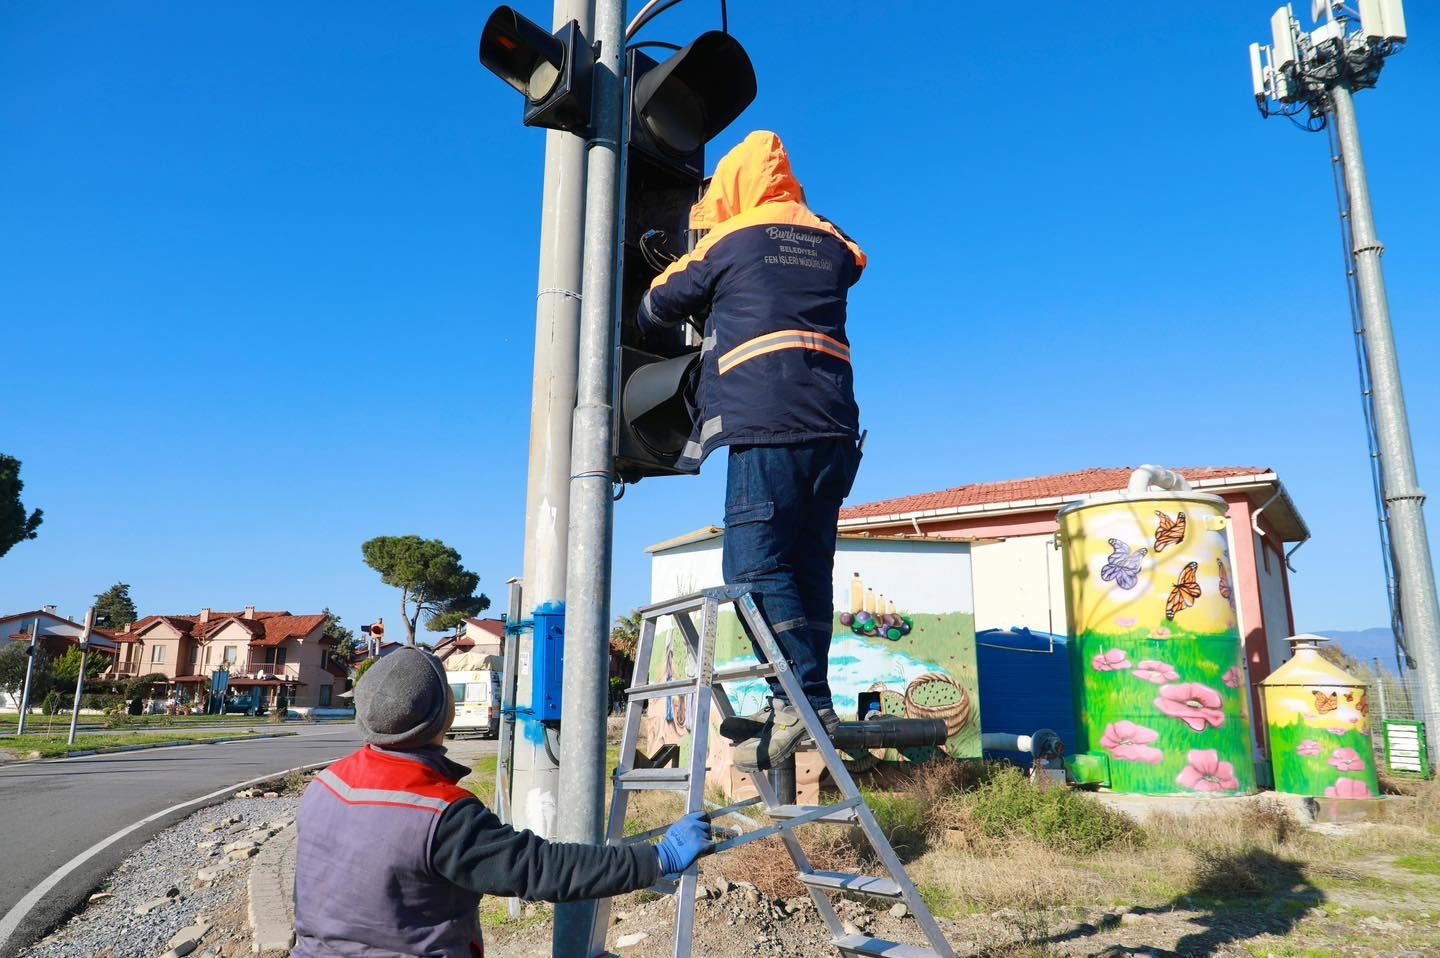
(776,385)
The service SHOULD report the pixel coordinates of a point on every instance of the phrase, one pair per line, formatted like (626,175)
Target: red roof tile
(1084,482)
(266,628)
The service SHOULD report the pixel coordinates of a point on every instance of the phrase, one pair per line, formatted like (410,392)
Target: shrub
(51,704)
(1010,804)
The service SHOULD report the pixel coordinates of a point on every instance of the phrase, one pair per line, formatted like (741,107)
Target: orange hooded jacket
(774,277)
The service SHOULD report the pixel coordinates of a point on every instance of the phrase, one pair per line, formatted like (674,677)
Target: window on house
(194,655)
(157,655)
(229,655)
(280,656)
(324,696)
(1265,557)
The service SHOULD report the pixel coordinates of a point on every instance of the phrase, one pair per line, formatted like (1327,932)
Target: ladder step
(859,946)
(641,779)
(639,693)
(860,884)
(840,816)
(657,690)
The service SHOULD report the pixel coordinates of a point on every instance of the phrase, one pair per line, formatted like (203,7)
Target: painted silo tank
(1156,657)
(1319,721)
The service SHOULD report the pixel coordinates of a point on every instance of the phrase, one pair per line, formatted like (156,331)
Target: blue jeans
(782,504)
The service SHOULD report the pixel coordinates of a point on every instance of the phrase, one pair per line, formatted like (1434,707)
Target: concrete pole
(592,504)
(80,679)
(1404,498)
(547,495)
(29,675)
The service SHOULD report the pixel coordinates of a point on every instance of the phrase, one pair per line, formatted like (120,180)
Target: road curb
(11,921)
(271,887)
(140,748)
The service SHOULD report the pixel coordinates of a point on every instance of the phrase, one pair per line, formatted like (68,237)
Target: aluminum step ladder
(850,810)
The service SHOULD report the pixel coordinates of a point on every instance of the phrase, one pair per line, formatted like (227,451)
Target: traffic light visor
(522,53)
(686,101)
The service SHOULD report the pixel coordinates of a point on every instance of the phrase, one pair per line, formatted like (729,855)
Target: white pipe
(1146,477)
(1005,742)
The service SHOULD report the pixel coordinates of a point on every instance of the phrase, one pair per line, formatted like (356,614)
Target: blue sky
(267,278)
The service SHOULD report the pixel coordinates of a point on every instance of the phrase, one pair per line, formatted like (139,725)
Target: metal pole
(29,675)
(80,679)
(536,778)
(1404,498)
(592,504)
(1380,688)
(505,747)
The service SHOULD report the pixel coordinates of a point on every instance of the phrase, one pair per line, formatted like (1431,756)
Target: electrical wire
(654,43)
(647,13)
(724,18)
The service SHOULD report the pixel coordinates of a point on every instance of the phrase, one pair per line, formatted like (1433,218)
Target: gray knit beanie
(401,700)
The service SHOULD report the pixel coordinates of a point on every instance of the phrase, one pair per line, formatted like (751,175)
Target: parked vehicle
(475,680)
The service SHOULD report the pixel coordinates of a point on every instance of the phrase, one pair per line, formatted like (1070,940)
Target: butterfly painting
(1123,566)
(1362,706)
(1169,532)
(1186,589)
(1224,580)
(1325,703)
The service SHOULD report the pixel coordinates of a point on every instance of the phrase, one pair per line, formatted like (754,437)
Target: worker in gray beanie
(394,855)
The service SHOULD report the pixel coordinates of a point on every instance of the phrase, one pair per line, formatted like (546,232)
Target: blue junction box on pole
(547,677)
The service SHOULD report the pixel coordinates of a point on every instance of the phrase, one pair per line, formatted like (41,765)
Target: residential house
(57,633)
(263,652)
(481,636)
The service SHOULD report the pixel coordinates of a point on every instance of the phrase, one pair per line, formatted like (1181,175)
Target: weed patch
(1009,804)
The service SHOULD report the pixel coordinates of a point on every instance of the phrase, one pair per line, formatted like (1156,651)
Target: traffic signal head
(552,71)
(676,107)
(681,104)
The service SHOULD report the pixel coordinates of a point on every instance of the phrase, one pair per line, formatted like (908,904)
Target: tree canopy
(13,659)
(15,525)
(343,651)
(67,667)
(114,609)
(431,580)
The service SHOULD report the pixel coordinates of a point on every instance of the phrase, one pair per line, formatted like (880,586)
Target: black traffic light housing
(552,71)
(675,108)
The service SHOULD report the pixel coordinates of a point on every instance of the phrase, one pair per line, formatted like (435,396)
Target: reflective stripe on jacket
(775,365)
(364,885)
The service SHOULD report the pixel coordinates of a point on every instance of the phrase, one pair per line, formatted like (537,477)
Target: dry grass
(766,864)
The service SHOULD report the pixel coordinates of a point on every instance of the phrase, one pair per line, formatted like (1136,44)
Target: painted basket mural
(1158,666)
(919,657)
(1319,721)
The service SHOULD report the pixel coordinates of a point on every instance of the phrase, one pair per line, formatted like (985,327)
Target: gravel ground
(167,865)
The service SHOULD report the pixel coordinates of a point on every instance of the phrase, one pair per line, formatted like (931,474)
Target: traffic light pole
(536,775)
(80,679)
(29,676)
(1404,498)
(592,504)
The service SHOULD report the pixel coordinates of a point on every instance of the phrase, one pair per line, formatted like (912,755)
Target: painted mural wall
(1158,664)
(1319,720)
(904,626)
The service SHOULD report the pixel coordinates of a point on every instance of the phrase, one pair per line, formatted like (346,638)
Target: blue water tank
(1025,685)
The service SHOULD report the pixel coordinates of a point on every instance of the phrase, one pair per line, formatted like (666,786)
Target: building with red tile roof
(262,653)
(1017,571)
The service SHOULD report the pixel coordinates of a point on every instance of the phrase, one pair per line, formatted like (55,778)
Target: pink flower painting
(1206,773)
(1160,632)
(1192,703)
(1336,731)
(1348,788)
(1113,661)
(1129,742)
(1234,677)
(1347,760)
(1155,671)
(1126,622)
(1309,747)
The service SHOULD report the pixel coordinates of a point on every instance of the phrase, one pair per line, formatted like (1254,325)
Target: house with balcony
(481,636)
(262,653)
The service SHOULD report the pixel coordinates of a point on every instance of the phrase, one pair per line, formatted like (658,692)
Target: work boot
(780,739)
(742,727)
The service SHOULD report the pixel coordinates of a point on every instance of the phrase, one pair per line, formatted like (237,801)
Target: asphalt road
(52,811)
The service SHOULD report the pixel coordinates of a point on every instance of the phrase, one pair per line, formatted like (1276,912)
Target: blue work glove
(684,842)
